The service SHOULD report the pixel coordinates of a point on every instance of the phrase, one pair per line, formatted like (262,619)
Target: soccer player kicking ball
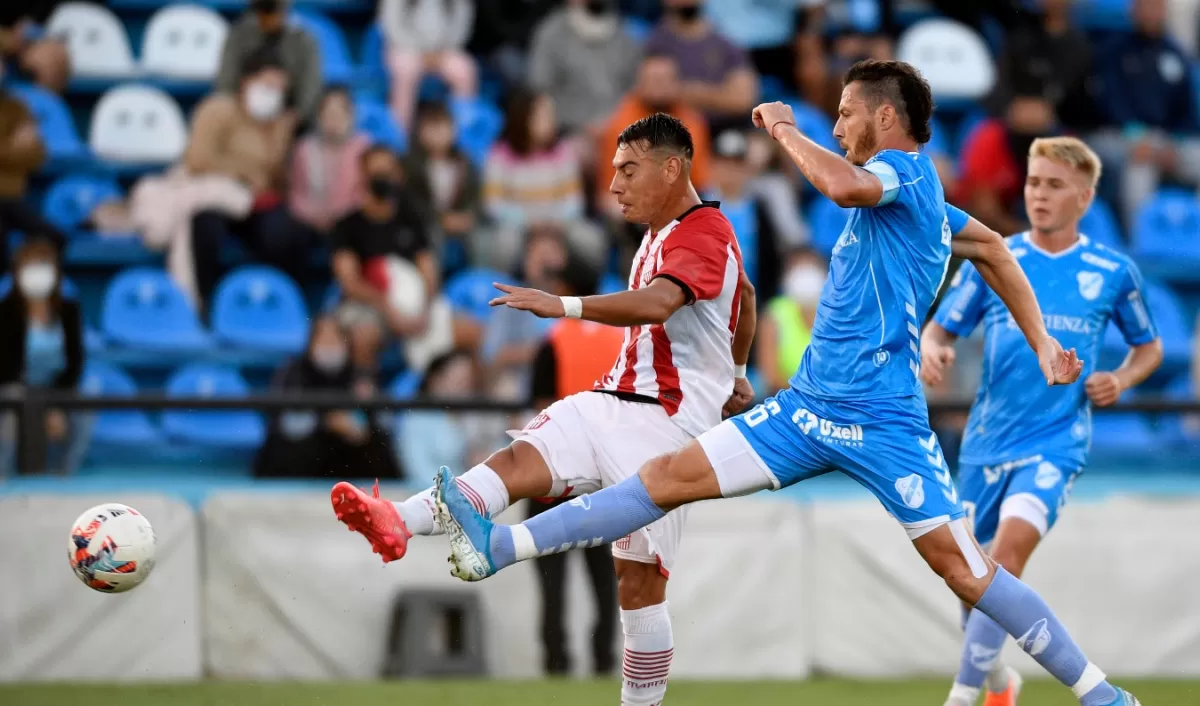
(1025,443)
(856,403)
(690,318)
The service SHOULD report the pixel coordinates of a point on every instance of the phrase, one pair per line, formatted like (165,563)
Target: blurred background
(269,233)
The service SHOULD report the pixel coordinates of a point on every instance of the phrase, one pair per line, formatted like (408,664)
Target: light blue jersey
(1016,415)
(884,273)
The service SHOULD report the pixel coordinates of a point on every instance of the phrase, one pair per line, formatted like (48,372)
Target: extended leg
(649,643)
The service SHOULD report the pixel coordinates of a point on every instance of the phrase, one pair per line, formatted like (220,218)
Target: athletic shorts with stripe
(886,445)
(591,440)
(1034,489)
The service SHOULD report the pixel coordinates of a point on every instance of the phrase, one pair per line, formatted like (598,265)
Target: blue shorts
(1034,489)
(885,445)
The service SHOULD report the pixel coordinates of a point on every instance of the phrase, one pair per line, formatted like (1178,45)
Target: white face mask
(263,102)
(329,359)
(803,284)
(37,280)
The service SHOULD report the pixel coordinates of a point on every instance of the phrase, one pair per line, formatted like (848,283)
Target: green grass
(821,692)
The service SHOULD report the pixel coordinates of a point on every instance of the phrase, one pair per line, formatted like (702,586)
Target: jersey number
(761,413)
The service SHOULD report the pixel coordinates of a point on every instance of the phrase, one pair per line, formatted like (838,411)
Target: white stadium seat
(954,59)
(96,40)
(184,41)
(135,123)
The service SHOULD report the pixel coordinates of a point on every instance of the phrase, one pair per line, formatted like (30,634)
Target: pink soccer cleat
(373,517)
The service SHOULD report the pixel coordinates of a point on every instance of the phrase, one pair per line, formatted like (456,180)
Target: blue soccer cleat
(1124,698)
(469,532)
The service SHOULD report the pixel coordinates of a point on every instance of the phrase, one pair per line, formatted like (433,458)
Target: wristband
(572,306)
(739,371)
(771,132)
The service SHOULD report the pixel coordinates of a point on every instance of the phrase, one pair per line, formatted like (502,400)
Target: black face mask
(383,187)
(599,7)
(687,13)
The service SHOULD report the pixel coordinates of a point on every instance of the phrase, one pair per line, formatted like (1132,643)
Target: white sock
(481,485)
(962,695)
(649,647)
(997,680)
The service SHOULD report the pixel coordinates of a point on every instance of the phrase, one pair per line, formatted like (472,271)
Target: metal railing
(32,405)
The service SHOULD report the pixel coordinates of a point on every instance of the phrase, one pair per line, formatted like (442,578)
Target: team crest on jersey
(911,490)
(1090,284)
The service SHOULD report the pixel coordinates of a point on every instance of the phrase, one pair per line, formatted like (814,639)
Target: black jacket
(13,327)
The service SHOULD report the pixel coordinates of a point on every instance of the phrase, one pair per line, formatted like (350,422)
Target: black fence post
(31,438)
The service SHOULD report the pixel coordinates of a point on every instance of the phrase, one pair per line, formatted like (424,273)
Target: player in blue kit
(1025,443)
(856,404)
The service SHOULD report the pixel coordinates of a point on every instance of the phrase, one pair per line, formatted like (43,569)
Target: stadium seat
(375,120)
(637,28)
(144,309)
(1181,429)
(1122,434)
(117,427)
(939,141)
(260,308)
(54,120)
(184,42)
(1111,15)
(70,201)
(611,283)
(336,66)
(1167,225)
(826,220)
(478,124)
(406,385)
(953,57)
(138,124)
(1100,224)
(96,40)
(234,429)
(371,58)
(470,290)
(815,124)
(1167,311)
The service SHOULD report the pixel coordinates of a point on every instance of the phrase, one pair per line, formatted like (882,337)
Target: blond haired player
(1025,443)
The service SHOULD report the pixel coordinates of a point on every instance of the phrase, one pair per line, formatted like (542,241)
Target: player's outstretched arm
(999,269)
(840,181)
(743,337)
(652,304)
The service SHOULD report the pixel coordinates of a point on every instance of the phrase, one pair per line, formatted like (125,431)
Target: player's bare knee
(639,585)
(522,469)
(680,477)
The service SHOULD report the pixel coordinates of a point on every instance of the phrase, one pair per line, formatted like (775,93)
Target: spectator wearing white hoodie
(427,36)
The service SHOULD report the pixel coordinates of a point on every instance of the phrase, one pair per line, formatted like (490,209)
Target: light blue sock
(1025,616)
(589,520)
(982,643)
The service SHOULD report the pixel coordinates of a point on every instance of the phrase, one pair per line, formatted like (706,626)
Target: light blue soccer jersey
(1016,415)
(884,273)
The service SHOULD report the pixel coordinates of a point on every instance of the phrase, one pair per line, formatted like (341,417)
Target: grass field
(575,693)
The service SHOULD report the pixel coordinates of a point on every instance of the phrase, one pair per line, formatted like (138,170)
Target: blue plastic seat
(1100,224)
(469,291)
(637,28)
(1181,429)
(126,427)
(1122,434)
(939,141)
(406,385)
(144,309)
(69,202)
(1113,15)
(54,121)
(826,221)
(375,120)
(611,283)
(1167,227)
(336,65)
(1167,312)
(234,429)
(370,56)
(815,124)
(478,124)
(260,308)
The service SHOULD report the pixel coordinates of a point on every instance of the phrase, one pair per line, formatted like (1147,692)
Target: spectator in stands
(585,61)
(306,444)
(433,438)
(325,180)
(247,137)
(41,340)
(533,178)
(427,36)
(764,29)
(502,34)
(265,28)
(25,47)
(511,337)
(784,333)
(387,228)
(444,182)
(657,90)
(992,173)
(21,154)
(816,81)
(1145,94)
(718,78)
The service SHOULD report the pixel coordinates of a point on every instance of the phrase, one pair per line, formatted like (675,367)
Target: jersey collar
(1080,241)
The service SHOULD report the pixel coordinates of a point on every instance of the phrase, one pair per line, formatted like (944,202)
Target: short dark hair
(431,109)
(377,148)
(660,132)
(263,58)
(517,114)
(898,83)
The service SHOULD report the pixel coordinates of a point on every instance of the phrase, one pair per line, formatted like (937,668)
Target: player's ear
(886,115)
(672,168)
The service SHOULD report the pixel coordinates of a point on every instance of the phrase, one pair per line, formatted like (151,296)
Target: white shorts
(592,440)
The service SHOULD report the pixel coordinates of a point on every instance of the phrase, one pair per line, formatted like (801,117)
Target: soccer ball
(112,548)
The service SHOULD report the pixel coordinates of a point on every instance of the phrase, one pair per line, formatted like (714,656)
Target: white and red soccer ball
(112,548)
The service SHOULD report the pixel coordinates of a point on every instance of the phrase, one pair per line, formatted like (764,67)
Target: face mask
(263,102)
(687,13)
(329,359)
(804,284)
(37,280)
(382,187)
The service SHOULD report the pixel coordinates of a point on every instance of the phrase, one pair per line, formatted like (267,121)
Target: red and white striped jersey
(687,362)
